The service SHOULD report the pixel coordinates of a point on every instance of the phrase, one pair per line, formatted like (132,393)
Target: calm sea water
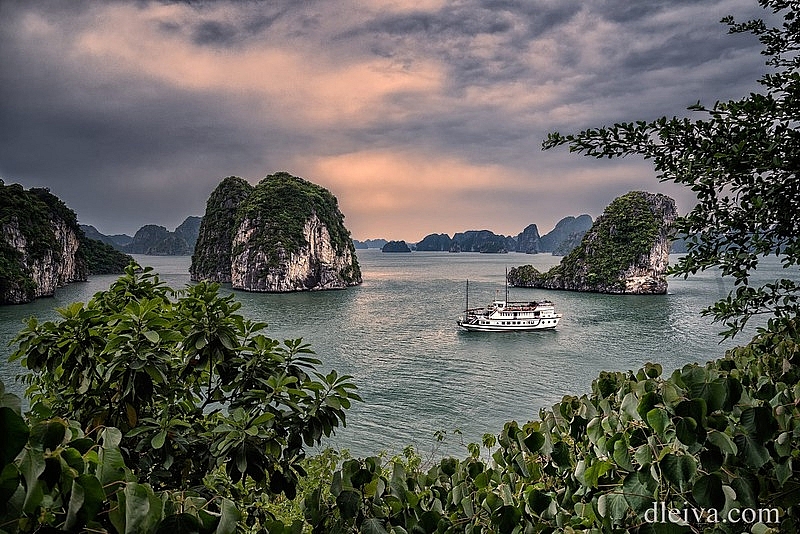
(419,374)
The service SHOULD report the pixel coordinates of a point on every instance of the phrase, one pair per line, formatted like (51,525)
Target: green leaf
(678,469)
(595,471)
(48,435)
(707,492)
(229,517)
(32,466)
(373,525)
(622,455)
(613,505)
(151,336)
(142,508)
(15,435)
(158,440)
(751,451)
(658,419)
(534,441)
(639,488)
(87,499)
(349,503)
(507,518)
(723,442)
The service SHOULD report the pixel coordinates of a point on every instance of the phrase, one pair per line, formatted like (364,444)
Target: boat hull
(477,327)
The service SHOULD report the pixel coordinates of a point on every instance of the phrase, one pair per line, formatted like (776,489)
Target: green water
(418,373)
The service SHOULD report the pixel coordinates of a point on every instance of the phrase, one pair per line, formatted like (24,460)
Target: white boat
(509,316)
(504,316)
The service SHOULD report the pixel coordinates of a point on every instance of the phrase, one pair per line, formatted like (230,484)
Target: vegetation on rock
(30,223)
(212,254)
(620,240)
(249,236)
(282,203)
(396,246)
(102,258)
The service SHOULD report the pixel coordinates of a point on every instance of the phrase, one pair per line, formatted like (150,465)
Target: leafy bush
(54,475)
(193,386)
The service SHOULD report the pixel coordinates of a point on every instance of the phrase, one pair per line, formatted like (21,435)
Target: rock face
(396,246)
(212,252)
(39,244)
(118,241)
(435,243)
(369,243)
(528,240)
(155,240)
(566,235)
(482,241)
(285,234)
(626,251)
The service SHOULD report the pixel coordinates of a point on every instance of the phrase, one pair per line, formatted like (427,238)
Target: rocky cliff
(435,242)
(212,252)
(285,234)
(396,246)
(40,244)
(625,251)
(528,240)
(483,241)
(566,235)
(155,240)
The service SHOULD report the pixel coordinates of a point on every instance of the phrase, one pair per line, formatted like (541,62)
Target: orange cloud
(307,86)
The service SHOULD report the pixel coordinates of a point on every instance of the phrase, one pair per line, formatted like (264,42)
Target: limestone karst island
(284,234)
(626,251)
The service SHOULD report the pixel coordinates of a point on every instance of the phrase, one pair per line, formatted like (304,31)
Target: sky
(420,116)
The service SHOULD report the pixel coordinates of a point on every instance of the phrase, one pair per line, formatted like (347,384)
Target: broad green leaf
(658,419)
(613,505)
(722,441)
(48,435)
(595,471)
(158,440)
(752,453)
(151,336)
(349,503)
(373,526)
(14,434)
(507,518)
(679,469)
(142,508)
(708,493)
(639,488)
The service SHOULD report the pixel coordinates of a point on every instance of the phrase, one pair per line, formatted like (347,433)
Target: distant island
(153,240)
(395,246)
(43,248)
(563,238)
(369,243)
(625,251)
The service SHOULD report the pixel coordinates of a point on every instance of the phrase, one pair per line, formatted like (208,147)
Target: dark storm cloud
(131,112)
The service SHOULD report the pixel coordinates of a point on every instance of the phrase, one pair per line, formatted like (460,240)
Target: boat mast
(467,308)
(506,285)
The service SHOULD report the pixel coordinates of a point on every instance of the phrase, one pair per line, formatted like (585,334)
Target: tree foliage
(56,478)
(193,386)
(741,160)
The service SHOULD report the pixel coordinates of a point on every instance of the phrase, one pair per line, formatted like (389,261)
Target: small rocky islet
(626,251)
(284,234)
